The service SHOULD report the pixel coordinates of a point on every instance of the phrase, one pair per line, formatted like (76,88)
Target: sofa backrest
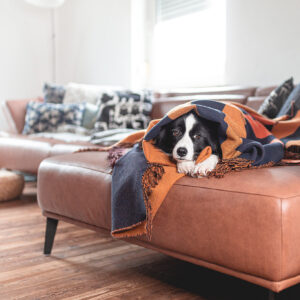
(17,110)
(218,90)
(164,100)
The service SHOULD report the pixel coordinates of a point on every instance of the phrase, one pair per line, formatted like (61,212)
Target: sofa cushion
(42,117)
(124,109)
(25,153)
(274,102)
(292,104)
(90,115)
(53,93)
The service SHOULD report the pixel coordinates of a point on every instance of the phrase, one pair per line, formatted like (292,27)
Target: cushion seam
(239,192)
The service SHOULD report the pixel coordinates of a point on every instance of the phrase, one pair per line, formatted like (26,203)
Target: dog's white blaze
(186,140)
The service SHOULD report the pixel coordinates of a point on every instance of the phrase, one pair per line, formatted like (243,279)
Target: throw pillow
(79,93)
(274,102)
(90,115)
(124,109)
(292,104)
(53,93)
(46,117)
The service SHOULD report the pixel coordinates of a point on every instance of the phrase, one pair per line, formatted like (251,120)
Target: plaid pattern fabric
(47,117)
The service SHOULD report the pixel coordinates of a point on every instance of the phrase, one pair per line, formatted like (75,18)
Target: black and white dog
(184,138)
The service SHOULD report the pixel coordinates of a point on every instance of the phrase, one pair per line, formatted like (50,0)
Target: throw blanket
(143,176)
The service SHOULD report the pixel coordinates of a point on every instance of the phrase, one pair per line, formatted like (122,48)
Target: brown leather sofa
(245,224)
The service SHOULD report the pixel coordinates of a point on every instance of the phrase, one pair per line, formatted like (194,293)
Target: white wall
(25,53)
(93,38)
(263,41)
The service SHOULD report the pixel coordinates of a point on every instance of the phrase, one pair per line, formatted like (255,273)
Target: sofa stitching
(239,192)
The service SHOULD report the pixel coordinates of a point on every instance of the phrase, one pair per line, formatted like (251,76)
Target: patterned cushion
(46,117)
(292,104)
(124,109)
(53,93)
(90,115)
(274,102)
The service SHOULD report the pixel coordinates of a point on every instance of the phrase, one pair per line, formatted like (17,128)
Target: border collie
(183,140)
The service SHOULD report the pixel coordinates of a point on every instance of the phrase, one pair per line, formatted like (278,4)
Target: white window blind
(169,9)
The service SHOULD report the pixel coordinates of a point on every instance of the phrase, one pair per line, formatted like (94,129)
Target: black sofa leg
(272,295)
(51,226)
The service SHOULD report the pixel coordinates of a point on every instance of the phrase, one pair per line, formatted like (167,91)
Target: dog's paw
(186,167)
(201,169)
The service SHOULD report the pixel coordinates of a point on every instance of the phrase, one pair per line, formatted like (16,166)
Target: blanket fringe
(234,164)
(150,179)
(293,152)
(114,152)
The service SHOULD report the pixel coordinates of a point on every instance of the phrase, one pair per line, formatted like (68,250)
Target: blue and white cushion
(47,117)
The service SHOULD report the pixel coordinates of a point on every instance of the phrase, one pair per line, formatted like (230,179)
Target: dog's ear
(214,133)
(158,140)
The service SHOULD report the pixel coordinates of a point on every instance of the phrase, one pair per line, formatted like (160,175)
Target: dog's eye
(176,132)
(196,137)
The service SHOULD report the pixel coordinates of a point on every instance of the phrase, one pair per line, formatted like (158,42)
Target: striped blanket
(143,176)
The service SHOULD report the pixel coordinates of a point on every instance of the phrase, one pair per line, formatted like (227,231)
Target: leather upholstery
(255,102)
(17,109)
(84,197)
(246,223)
(218,90)
(264,91)
(23,153)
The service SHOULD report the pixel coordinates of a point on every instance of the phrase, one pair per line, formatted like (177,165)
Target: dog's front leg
(186,166)
(206,166)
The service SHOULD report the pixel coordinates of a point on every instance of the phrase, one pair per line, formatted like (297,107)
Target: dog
(183,140)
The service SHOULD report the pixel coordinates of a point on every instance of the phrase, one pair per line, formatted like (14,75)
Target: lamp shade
(46,3)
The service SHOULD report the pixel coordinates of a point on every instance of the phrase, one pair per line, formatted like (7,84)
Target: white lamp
(50,4)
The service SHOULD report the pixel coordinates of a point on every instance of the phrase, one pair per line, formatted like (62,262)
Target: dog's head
(185,137)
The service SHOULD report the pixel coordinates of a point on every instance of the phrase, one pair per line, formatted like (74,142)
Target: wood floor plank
(89,265)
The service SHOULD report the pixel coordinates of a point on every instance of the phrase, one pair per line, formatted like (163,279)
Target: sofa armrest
(15,111)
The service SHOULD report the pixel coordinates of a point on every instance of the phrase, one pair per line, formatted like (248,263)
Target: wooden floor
(86,265)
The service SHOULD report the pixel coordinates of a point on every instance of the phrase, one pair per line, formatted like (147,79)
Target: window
(188,43)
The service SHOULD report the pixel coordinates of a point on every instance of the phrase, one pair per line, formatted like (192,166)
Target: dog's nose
(181,151)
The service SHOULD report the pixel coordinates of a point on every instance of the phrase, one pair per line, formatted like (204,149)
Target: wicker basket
(11,185)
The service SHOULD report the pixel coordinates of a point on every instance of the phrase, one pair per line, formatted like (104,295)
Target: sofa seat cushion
(25,153)
(248,221)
